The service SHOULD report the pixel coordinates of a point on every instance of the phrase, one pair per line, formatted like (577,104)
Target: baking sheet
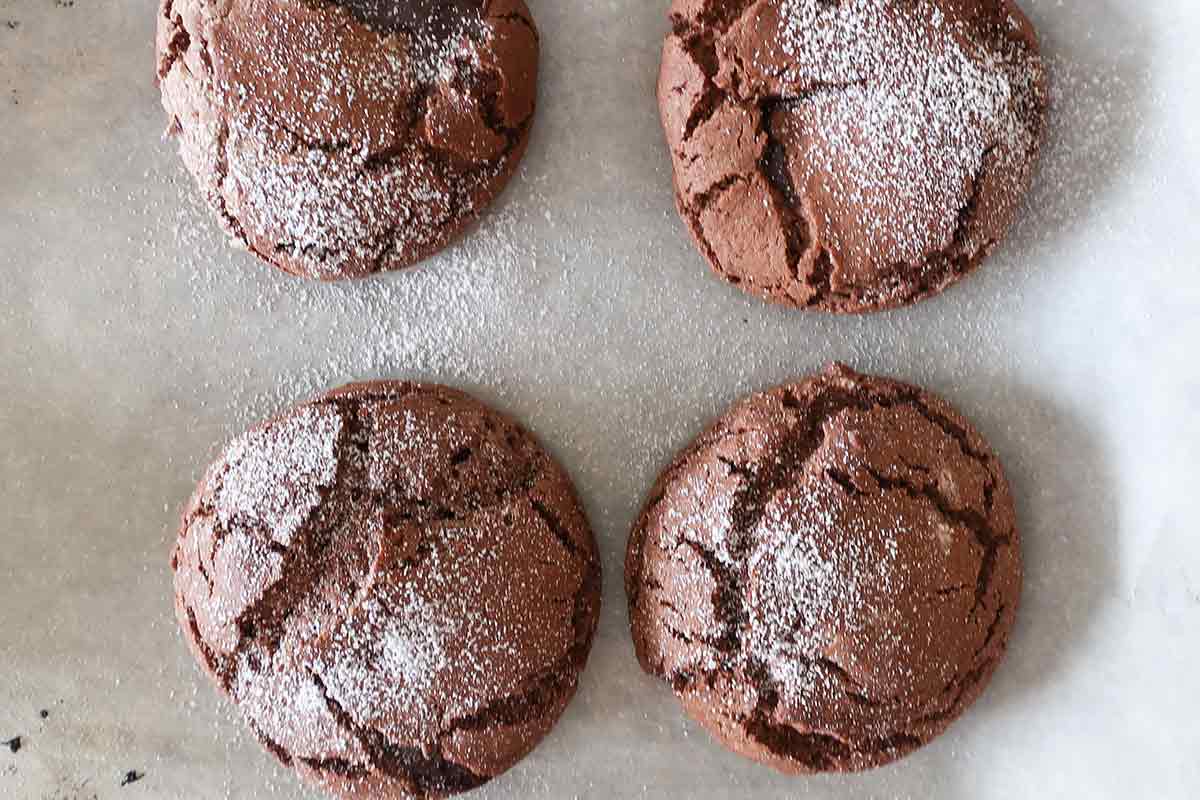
(134,341)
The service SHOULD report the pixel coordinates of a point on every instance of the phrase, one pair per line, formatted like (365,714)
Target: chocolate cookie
(337,138)
(850,156)
(395,584)
(828,576)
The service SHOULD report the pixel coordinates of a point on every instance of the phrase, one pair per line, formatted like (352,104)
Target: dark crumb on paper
(13,744)
(12,24)
(133,776)
(44,713)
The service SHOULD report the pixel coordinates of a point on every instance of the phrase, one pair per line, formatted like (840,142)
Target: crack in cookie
(827,577)
(395,584)
(338,139)
(898,141)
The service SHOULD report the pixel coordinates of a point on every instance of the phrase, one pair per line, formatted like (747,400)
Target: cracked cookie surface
(855,155)
(338,138)
(395,584)
(827,577)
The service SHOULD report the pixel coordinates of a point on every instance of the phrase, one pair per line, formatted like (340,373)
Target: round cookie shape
(339,138)
(396,586)
(850,156)
(828,576)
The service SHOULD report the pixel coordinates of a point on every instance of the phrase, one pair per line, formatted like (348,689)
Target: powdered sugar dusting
(394,658)
(445,319)
(461,622)
(287,705)
(142,339)
(916,105)
(705,516)
(329,149)
(274,474)
(818,560)
(332,207)
(389,613)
